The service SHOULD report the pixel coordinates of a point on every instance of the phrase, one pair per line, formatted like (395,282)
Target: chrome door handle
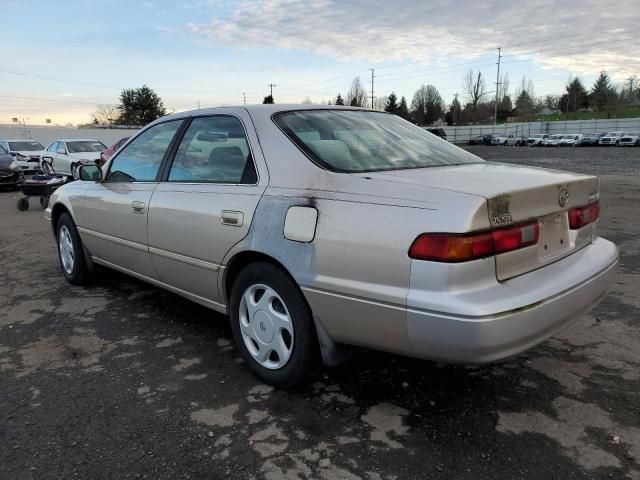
(232,217)
(137,207)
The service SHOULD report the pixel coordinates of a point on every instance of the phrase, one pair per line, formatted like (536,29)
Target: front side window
(85,146)
(61,148)
(140,160)
(363,141)
(214,150)
(52,147)
(26,146)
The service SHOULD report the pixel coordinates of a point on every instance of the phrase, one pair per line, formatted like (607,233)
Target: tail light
(583,216)
(452,247)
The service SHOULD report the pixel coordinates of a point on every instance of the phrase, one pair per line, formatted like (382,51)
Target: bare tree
(106,114)
(307,101)
(379,103)
(474,88)
(357,95)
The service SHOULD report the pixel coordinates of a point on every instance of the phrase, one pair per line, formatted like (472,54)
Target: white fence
(465,133)
(47,134)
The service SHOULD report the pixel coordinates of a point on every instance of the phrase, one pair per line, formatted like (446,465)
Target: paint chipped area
(122,380)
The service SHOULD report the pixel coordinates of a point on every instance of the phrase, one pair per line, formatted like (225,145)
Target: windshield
(81,146)
(614,134)
(363,141)
(538,136)
(572,137)
(26,146)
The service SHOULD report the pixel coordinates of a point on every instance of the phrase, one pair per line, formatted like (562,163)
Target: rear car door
(205,204)
(114,226)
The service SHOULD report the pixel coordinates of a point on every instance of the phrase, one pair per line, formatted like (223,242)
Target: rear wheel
(70,252)
(23,204)
(273,327)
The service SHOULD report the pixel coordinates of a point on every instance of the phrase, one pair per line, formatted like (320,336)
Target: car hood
(28,153)
(5,161)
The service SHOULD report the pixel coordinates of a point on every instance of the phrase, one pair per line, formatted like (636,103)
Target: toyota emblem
(563,198)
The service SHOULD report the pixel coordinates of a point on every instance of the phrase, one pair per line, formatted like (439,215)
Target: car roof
(260,110)
(18,140)
(75,140)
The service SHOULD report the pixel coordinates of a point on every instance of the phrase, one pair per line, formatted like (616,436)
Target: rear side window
(214,150)
(363,141)
(140,160)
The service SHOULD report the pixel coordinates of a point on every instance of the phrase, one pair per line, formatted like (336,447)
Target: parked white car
(571,140)
(630,139)
(505,139)
(537,140)
(552,141)
(26,153)
(611,138)
(67,155)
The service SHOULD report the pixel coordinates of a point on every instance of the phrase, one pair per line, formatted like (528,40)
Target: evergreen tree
(392,104)
(403,109)
(268,99)
(524,104)
(575,98)
(603,94)
(339,100)
(139,106)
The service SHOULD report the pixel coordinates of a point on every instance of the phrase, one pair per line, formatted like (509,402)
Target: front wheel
(23,204)
(70,252)
(273,326)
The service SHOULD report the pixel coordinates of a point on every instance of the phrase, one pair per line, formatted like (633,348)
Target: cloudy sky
(61,58)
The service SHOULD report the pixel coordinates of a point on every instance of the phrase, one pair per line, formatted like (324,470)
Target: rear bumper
(536,311)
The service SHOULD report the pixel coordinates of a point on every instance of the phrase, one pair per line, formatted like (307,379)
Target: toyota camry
(317,229)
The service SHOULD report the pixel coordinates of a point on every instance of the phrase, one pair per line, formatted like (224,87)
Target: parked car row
(618,139)
(24,156)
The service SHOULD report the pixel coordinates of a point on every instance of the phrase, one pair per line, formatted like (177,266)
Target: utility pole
(198,104)
(271,85)
(456,114)
(372,77)
(498,83)
(244,97)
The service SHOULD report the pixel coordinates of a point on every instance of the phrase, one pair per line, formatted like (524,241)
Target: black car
(10,173)
(439,132)
(488,137)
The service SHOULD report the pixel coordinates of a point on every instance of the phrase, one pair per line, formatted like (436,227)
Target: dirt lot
(122,380)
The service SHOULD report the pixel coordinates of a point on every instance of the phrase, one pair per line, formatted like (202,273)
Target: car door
(114,213)
(61,162)
(206,203)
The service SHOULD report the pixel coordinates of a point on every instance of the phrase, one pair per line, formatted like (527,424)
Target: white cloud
(582,37)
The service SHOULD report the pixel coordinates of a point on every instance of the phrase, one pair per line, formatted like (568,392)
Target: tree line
(139,106)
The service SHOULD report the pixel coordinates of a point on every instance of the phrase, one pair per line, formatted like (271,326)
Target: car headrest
(334,152)
(227,157)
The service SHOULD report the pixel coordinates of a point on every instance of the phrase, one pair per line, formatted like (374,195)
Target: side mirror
(90,173)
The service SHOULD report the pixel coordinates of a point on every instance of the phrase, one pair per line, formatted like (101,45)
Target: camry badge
(563,198)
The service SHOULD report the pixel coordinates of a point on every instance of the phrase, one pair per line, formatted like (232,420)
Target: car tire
(72,169)
(617,144)
(273,326)
(23,204)
(70,251)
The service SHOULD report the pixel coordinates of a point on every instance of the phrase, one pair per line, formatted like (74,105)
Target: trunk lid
(514,195)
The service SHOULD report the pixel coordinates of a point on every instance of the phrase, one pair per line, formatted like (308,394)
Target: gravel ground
(122,380)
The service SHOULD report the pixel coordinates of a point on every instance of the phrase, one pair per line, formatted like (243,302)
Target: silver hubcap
(66,249)
(266,326)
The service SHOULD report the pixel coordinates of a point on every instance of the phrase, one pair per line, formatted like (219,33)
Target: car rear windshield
(81,146)
(25,146)
(364,141)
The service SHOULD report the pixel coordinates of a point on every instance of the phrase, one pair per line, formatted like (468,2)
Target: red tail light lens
(583,216)
(451,247)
